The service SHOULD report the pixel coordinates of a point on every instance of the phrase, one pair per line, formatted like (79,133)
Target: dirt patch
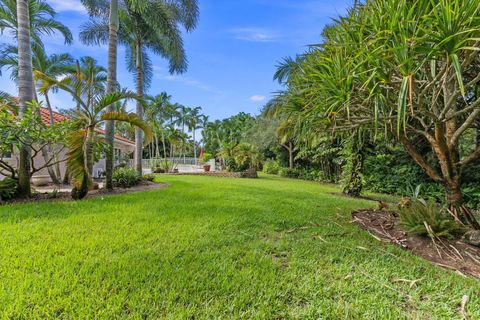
(451,254)
(66,196)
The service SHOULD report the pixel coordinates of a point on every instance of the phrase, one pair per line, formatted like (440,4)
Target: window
(117,154)
(6,155)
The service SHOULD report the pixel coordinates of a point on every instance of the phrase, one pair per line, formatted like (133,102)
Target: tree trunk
(66,177)
(290,155)
(194,147)
(353,185)
(456,206)
(89,142)
(25,89)
(111,87)
(138,131)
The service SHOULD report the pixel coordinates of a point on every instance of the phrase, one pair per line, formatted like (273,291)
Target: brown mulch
(451,254)
(66,196)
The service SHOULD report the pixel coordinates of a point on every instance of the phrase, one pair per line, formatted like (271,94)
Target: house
(123,149)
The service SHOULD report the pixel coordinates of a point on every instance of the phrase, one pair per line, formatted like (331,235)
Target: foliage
(126,177)
(303,174)
(271,167)
(206,157)
(89,79)
(159,165)
(244,156)
(31,131)
(420,214)
(149,177)
(230,131)
(406,68)
(8,188)
(42,21)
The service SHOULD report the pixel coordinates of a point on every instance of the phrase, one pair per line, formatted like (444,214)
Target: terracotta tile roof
(58,117)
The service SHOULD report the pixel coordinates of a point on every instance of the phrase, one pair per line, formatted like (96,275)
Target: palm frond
(132,119)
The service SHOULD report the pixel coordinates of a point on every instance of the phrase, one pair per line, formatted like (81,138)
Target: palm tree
(90,79)
(153,27)
(41,20)
(89,115)
(181,120)
(25,86)
(194,122)
(95,8)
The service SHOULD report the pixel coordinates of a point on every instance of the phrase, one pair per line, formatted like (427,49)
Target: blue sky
(232,53)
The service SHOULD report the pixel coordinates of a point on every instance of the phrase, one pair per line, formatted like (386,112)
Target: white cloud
(253,34)
(257,98)
(67,5)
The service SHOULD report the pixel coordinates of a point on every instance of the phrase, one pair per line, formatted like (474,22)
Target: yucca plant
(90,115)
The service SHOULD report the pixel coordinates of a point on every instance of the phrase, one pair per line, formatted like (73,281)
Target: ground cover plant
(215,248)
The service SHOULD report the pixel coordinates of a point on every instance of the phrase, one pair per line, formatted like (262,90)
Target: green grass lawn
(214,248)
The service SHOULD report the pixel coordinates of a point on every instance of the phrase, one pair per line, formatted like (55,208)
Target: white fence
(148,163)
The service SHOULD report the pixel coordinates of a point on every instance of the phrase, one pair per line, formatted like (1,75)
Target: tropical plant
(126,177)
(89,115)
(96,7)
(206,157)
(271,167)
(147,26)
(53,65)
(409,68)
(8,188)
(29,130)
(427,218)
(194,122)
(149,177)
(41,20)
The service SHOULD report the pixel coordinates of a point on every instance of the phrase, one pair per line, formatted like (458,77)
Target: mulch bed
(66,196)
(451,254)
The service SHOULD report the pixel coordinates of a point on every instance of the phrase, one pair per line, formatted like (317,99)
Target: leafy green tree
(54,65)
(29,130)
(407,68)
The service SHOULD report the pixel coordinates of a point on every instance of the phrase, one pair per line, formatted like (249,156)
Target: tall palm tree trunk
(138,131)
(25,88)
(194,147)
(89,142)
(111,87)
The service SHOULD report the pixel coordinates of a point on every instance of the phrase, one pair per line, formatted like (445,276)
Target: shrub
(287,173)
(126,177)
(149,177)
(302,173)
(271,167)
(206,157)
(8,188)
(161,165)
(414,218)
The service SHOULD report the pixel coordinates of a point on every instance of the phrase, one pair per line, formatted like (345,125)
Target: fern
(413,219)
(8,188)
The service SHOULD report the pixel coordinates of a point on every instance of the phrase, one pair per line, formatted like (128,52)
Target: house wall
(126,148)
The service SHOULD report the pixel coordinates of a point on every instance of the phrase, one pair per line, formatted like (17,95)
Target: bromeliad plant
(89,116)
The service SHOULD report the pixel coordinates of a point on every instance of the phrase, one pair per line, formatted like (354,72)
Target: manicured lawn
(214,248)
